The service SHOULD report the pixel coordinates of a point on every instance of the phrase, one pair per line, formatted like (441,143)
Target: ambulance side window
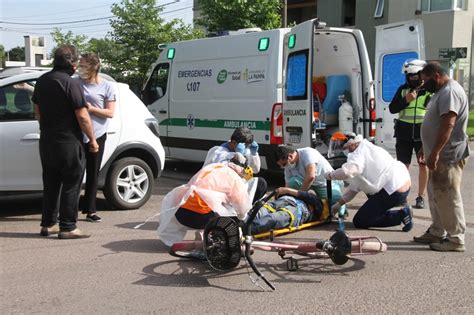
(156,86)
(297,76)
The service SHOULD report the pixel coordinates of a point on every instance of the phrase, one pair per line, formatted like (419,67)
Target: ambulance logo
(190,122)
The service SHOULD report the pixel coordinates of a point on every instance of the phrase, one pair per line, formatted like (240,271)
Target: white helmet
(413,66)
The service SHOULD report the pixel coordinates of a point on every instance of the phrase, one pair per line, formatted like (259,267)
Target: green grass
(470,124)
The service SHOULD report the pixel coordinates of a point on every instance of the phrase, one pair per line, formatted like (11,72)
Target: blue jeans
(266,220)
(375,211)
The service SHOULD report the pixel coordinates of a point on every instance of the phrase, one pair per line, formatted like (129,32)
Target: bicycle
(226,240)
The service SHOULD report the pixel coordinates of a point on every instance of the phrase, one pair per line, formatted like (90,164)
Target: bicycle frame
(337,248)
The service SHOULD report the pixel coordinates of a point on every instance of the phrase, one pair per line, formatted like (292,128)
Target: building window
(440,5)
(379,9)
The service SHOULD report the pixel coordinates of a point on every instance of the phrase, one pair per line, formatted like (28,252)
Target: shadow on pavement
(193,273)
(137,246)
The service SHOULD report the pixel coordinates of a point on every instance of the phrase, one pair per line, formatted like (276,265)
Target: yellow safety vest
(416,109)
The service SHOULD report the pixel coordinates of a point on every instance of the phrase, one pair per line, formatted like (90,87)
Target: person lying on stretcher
(291,208)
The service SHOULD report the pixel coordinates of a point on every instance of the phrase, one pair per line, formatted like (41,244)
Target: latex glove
(240,148)
(254,148)
(335,208)
(328,176)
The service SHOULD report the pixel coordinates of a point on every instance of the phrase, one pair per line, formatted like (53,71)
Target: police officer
(410,103)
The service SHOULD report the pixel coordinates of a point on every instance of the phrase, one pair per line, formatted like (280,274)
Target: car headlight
(152,123)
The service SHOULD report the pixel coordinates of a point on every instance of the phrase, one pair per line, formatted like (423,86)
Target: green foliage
(470,124)
(236,14)
(17,54)
(138,29)
(2,56)
(79,41)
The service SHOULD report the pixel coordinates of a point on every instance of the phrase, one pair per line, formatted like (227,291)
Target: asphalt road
(122,270)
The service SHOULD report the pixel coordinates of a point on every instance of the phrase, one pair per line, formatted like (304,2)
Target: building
(447,24)
(35,54)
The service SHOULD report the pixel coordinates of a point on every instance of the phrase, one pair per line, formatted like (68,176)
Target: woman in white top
(386,182)
(100,96)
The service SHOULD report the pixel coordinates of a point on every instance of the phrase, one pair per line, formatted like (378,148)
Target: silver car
(133,155)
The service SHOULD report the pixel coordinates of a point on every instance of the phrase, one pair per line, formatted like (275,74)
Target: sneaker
(76,233)
(428,238)
(407,219)
(46,231)
(447,246)
(419,203)
(93,218)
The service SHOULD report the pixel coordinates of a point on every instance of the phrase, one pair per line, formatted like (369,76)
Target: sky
(88,17)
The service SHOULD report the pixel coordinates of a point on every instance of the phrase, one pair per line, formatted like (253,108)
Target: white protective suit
(223,190)
(220,154)
(370,169)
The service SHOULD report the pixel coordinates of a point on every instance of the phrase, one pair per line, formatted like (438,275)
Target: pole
(285,13)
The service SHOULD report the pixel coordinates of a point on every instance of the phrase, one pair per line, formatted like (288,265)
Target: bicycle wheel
(222,243)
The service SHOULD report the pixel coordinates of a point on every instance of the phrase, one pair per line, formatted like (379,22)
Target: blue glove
(254,148)
(240,148)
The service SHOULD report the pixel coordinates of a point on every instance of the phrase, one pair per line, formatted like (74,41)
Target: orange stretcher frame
(324,219)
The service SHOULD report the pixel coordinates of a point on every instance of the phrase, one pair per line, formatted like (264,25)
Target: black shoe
(93,218)
(419,203)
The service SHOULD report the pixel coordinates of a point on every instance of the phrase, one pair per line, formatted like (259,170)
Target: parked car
(134,156)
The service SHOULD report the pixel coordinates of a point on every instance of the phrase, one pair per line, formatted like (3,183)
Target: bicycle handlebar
(246,230)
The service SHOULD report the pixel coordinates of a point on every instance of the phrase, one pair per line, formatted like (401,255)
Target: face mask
(291,165)
(83,73)
(414,83)
(430,85)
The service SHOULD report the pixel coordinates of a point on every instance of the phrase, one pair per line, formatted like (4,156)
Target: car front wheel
(129,183)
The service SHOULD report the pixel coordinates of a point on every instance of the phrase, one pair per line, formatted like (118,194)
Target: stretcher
(325,218)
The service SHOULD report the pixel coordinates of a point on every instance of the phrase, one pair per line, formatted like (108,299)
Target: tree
(2,56)
(138,29)
(60,38)
(218,15)
(16,54)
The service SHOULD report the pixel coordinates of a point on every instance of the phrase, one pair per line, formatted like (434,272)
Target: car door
(297,70)
(395,43)
(20,165)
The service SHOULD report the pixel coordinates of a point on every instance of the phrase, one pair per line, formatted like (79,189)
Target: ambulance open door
(395,43)
(297,98)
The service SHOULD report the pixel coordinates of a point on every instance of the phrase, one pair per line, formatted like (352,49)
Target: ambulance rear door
(395,43)
(297,70)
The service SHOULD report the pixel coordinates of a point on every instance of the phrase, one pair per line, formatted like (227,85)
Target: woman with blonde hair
(100,96)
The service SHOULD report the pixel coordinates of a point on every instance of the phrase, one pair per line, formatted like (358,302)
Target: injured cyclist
(291,208)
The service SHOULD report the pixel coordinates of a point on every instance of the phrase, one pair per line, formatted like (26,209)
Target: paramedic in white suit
(216,190)
(241,142)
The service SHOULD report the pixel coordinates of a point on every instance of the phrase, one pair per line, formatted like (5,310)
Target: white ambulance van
(286,85)
(395,43)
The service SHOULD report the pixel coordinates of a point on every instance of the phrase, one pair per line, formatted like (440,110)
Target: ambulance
(293,86)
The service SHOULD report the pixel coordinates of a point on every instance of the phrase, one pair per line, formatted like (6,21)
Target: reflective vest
(416,109)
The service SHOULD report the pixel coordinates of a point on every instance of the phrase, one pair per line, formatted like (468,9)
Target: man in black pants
(61,110)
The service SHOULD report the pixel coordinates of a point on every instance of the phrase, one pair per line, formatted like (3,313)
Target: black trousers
(93,161)
(261,189)
(193,219)
(63,169)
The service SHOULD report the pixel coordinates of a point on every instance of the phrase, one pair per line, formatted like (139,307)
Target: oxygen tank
(345,115)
